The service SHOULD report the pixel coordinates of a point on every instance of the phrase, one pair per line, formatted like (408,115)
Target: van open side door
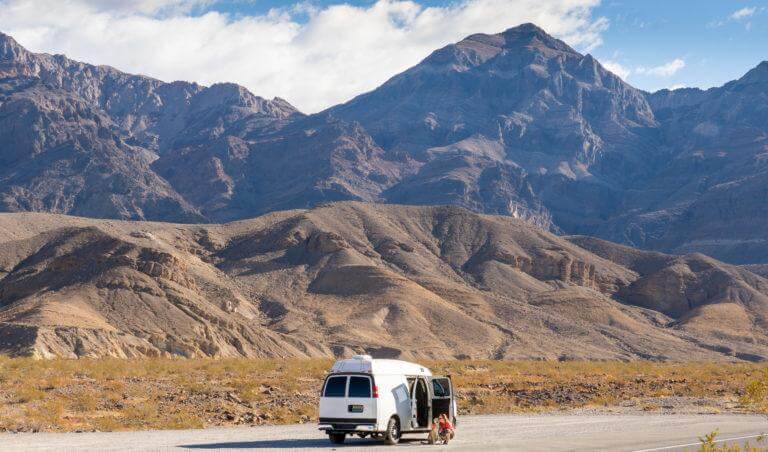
(421,406)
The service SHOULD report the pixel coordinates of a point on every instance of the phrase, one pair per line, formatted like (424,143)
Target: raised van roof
(366,364)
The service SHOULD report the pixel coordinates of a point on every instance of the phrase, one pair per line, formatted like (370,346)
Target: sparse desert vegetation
(114,394)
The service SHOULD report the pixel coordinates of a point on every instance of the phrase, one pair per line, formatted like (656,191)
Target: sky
(317,53)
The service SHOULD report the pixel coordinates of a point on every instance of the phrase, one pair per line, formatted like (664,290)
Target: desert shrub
(180,420)
(108,424)
(84,401)
(46,415)
(709,443)
(141,415)
(756,393)
(28,393)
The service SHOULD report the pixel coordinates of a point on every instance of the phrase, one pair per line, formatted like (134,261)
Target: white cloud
(312,56)
(743,13)
(665,70)
(617,69)
(148,7)
(677,86)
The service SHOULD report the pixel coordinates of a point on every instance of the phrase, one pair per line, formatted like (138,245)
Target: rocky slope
(390,280)
(93,141)
(714,186)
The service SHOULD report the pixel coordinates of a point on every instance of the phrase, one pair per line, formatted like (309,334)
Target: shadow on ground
(290,444)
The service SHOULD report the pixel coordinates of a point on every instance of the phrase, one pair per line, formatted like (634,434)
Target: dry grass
(515,386)
(112,394)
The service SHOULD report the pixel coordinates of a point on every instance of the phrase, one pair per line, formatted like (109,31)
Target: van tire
(337,438)
(392,436)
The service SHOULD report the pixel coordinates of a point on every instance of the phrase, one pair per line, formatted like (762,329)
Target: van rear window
(359,387)
(441,387)
(335,387)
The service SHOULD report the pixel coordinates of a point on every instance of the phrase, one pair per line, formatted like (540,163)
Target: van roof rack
(366,364)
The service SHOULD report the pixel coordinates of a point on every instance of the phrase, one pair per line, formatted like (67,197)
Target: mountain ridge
(516,123)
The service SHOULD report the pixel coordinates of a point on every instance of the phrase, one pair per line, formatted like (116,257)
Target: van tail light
(375,392)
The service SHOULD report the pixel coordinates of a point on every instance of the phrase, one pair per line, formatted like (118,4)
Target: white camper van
(382,398)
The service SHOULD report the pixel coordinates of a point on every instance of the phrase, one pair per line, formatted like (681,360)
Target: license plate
(355,408)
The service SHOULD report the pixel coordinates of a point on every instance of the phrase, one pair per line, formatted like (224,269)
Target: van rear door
(361,403)
(348,398)
(333,398)
(441,393)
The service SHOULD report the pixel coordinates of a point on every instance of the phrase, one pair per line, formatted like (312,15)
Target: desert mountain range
(515,124)
(506,197)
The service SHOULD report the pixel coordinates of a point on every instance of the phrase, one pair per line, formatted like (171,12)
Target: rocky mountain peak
(531,35)
(226,96)
(9,48)
(759,74)
(478,116)
(527,28)
(527,40)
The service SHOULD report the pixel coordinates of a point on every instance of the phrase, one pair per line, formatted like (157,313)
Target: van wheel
(392,436)
(337,438)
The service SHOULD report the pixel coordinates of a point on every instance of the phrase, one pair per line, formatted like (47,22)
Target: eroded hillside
(414,282)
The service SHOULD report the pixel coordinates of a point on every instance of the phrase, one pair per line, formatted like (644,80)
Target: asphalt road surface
(525,433)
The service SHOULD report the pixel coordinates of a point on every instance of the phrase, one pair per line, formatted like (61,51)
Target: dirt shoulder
(113,395)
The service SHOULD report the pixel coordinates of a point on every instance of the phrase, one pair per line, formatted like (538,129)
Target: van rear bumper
(334,424)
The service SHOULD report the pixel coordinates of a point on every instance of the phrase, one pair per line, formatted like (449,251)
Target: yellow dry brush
(166,393)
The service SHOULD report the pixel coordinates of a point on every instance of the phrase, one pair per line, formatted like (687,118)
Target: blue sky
(317,53)
(714,46)
(716,43)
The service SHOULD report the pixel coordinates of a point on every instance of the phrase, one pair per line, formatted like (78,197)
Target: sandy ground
(531,433)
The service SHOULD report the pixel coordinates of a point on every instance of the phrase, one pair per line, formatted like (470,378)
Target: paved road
(530,433)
